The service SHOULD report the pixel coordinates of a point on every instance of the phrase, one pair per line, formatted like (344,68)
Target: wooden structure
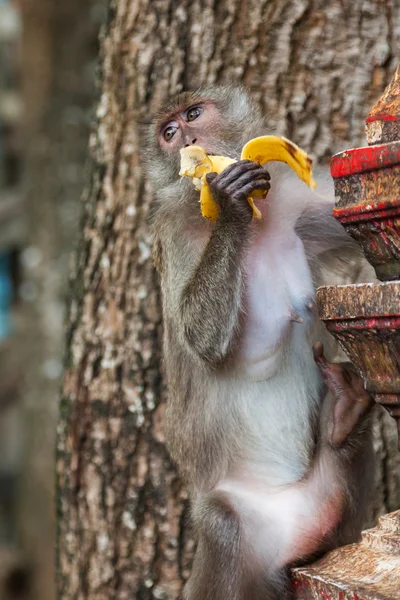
(366,571)
(365,319)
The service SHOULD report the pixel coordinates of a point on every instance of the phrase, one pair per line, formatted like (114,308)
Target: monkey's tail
(224,567)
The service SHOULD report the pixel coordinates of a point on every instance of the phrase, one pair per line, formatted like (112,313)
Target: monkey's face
(220,119)
(198,124)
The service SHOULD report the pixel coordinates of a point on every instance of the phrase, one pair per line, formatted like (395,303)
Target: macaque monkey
(272,439)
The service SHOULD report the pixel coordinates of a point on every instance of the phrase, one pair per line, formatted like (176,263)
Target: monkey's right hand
(231,189)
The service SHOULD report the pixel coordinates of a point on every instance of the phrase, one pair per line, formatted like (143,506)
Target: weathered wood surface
(366,571)
(368,207)
(383,121)
(367,187)
(361,300)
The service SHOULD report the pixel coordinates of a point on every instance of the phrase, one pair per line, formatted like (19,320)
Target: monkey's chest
(277,303)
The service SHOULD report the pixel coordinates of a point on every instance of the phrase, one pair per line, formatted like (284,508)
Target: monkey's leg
(224,566)
(348,435)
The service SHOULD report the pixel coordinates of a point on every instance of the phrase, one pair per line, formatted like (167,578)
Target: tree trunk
(59,49)
(316,67)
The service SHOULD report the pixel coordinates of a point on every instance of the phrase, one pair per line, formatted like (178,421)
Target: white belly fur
(278,492)
(292,520)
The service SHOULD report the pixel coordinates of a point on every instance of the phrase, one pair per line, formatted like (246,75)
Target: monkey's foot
(352,402)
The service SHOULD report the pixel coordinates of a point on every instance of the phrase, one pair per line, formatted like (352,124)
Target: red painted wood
(368,212)
(380,322)
(358,160)
(382,117)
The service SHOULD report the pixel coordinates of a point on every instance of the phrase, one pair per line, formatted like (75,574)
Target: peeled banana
(196,163)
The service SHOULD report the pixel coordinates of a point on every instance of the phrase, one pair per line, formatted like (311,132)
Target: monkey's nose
(193,142)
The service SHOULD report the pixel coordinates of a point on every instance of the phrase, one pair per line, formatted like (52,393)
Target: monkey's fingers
(210,177)
(257,184)
(266,173)
(244,168)
(241,168)
(243,180)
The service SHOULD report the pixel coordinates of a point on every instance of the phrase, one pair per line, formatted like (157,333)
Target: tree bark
(316,67)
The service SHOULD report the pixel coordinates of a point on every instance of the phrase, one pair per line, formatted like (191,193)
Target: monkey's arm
(309,210)
(320,231)
(211,300)
(332,254)
(327,245)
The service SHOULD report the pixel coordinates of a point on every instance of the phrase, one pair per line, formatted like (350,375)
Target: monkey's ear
(157,254)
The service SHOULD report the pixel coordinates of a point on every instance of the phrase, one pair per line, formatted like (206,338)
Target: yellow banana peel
(196,163)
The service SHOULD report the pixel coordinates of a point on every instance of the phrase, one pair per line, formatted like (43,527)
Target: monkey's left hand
(231,189)
(352,402)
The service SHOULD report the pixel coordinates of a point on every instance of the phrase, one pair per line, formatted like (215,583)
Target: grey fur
(217,419)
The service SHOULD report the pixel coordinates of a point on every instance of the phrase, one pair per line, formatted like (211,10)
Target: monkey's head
(221,119)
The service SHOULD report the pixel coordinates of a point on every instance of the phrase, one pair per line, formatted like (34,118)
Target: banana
(196,163)
(268,148)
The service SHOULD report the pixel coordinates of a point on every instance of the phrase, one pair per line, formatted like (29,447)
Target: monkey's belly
(292,522)
(258,362)
(277,303)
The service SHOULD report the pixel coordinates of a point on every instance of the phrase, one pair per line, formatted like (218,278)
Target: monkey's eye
(194,113)
(169,133)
